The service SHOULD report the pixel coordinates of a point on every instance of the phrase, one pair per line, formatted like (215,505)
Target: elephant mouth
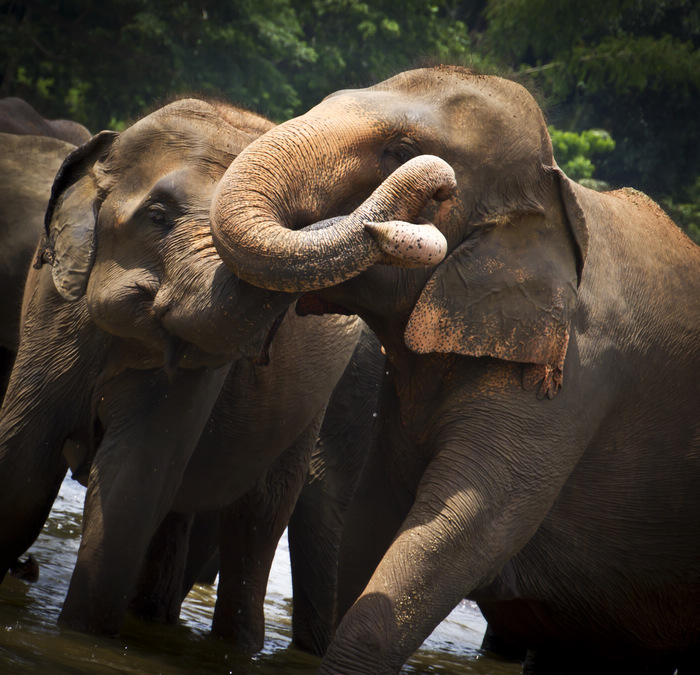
(311,304)
(177,353)
(175,349)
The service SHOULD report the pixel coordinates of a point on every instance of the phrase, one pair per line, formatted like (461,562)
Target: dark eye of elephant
(402,149)
(157,215)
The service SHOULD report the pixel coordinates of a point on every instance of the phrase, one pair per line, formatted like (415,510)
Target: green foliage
(631,67)
(358,43)
(685,210)
(102,62)
(573,152)
(619,45)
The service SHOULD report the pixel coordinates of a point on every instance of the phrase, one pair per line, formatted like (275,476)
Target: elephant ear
(68,242)
(508,291)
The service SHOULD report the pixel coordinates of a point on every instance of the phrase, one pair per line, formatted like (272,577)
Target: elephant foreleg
(151,428)
(48,396)
(468,519)
(373,517)
(203,554)
(316,525)
(183,551)
(159,588)
(408,594)
(249,533)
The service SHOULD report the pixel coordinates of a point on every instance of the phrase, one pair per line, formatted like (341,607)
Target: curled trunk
(275,185)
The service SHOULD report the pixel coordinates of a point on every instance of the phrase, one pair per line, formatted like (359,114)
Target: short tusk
(411,245)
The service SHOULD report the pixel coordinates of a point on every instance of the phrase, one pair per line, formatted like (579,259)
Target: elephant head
(127,230)
(515,235)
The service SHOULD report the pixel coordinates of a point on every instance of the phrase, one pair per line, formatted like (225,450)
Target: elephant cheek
(120,302)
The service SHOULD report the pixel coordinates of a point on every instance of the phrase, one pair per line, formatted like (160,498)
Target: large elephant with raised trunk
(162,379)
(539,436)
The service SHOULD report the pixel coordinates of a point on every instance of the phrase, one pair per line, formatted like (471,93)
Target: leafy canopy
(629,67)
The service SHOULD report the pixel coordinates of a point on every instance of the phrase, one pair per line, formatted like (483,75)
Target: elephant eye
(401,150)
(158,215)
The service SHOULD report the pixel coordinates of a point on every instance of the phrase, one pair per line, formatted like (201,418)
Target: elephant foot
(155,610)
(494,644)
(27,570)
(244,640)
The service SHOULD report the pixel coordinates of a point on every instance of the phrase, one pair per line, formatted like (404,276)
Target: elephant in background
(162,379)
(20,118)
(28,165)
(538,433)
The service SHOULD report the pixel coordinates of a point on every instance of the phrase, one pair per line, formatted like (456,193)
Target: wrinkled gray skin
(28,165)
(135,340)
(539,434)
(314,529)
(346,435)
(18,117)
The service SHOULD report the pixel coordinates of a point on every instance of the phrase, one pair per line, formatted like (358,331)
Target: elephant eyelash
(403,150)
(159,215)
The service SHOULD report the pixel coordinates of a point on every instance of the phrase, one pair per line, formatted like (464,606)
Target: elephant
(28,165)
(20,118)
(166,383)
(538,433)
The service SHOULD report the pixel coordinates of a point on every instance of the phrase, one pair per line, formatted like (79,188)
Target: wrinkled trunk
(296,175)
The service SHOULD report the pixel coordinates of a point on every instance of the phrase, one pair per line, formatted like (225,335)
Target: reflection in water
(30,641)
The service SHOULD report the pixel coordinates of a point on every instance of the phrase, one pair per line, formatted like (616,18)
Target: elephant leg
(409,593)
(29,510)
(178,556)
(48,395)
(250,532)
(467,520)
(203,554)
(316,525)
(152,425)
(376,511)
(159,588)
(493,643)
(314,537)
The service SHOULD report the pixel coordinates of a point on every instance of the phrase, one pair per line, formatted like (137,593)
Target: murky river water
(30,641)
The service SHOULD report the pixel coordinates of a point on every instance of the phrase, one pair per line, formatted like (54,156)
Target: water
(31,642)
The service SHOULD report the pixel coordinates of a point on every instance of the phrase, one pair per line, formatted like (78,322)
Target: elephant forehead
(460,118)
(386,112)
(160,143)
